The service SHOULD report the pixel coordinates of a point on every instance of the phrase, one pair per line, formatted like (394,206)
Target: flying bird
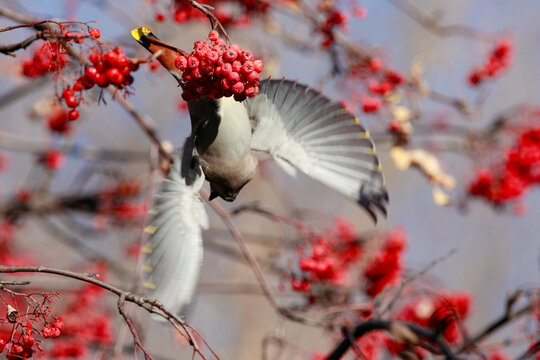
(297,126)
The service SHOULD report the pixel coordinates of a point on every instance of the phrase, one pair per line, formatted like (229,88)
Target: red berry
(296,284)
(125,70)
(128,80)
(95,33)
(121,61)
(213,36)
(193,62)
(196,73)
(375,64)
(77,86)
(78,38)
(67,93)
(160,17)
(212,56)
(133,66)
(71,101)
(251,90)
(73,115)
(230,55)
(114,76)
(28,341)
(101,80)
(238,88)
(2,344)
(54,160)
(91,72)
(253,78)
(246,55)
(234,76)
(111,57)
(181,63)
(94,57)
(258,65)
(248,67)
(68,36)
(226,69)
(86,82)
(371,104)
(236,66)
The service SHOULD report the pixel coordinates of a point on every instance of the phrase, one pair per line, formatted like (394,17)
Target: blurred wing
(175,245)
(302,127)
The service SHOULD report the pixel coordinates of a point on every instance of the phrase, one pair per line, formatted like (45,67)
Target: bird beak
(213,195)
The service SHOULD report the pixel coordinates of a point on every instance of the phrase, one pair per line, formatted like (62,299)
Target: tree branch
(389,326)
(149,304)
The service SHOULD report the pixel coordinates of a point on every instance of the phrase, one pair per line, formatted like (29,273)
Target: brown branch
(149,304)
(9,49)
(254,263)
(207,10)
(120,305)
(495,325)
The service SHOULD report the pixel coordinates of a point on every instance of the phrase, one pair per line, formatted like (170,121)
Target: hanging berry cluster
(334,18)
(330,258)
(246,9)
(498,60)
(49,57)
(108,68)
(20,336)
(214,70)
(52,55)
(510,179)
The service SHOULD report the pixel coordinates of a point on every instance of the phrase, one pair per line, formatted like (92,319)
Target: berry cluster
(328,258)
(117,201)
(52,329)
(334,18)
(498,60)
(53,159)
(58,122)
(441,312)
(377,80)
(510,180)
(183,11)
(18,330)
(214,70)
(386,266)
(50,56)
(109,68)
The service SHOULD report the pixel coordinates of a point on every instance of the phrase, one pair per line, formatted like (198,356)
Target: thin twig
(387,325)
(149,304)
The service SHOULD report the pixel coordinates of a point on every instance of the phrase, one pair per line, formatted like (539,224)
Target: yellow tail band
(140,32)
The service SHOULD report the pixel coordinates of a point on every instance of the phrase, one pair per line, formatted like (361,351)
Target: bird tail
(166,54)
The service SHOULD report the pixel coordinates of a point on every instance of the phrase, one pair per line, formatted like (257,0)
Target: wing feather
(301,127)
(175,245)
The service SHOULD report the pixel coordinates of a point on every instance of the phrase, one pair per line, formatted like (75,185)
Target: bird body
(222,132)
(297,126)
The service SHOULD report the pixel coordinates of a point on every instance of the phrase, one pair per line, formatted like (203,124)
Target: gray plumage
(299,126)
(175,245)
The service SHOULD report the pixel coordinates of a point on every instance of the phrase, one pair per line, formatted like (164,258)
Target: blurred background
(497,249)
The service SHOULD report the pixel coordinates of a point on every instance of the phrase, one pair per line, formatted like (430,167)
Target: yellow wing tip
(147,249)
(150,229)
(365,135)
(147,269)
(150,286)
(138,33)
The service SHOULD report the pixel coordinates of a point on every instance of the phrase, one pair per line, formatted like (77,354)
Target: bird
(299,127)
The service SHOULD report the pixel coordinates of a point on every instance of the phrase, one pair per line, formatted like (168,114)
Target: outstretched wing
(301,127)
(175,245)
